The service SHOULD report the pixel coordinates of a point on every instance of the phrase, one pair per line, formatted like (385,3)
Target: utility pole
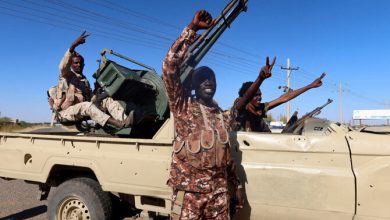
(386,107)
(288,68)
(341,103)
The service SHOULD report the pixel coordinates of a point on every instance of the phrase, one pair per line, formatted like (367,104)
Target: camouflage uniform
(74,95)
(84,109)
(204,206)
(202,164)
(246,120)
(116,110)
(73,85)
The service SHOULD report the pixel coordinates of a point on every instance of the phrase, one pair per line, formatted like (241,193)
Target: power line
(111,20)
(116,7)
(220,53)
(156,20)
(151,40)
(97,33)
(58,20)
(359,95)
(125,39)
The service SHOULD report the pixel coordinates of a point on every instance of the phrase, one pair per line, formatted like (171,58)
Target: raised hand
(318,82)
(265,71)
(201,20)
(79,40)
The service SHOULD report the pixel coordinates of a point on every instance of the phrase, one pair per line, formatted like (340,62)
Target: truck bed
(124,165)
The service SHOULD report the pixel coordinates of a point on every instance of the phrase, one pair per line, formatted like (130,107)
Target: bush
(8,125)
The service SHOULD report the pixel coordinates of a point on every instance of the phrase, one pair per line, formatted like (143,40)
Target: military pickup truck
(314,169)
(322,170)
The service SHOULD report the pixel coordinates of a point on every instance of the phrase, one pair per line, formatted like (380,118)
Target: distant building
(9,121)
(14,121)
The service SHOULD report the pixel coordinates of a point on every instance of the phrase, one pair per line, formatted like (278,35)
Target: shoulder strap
(177,205)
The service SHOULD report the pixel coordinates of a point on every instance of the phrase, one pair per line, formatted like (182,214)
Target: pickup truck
(320,171)
(316,170)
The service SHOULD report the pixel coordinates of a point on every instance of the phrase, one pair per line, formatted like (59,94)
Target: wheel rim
(72,208)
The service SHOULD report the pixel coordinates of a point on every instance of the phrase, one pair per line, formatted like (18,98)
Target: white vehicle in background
(276,126)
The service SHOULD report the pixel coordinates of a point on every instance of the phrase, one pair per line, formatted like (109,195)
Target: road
(18,200)
(48,129)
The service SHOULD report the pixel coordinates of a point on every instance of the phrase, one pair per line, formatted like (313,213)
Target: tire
(80,198)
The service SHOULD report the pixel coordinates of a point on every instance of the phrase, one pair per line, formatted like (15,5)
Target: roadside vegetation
(281,117)
(8,124)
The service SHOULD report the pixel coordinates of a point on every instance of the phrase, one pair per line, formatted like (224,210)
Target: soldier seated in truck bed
(71,99)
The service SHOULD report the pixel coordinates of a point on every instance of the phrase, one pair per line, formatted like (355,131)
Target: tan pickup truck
(314,170)
(320,171)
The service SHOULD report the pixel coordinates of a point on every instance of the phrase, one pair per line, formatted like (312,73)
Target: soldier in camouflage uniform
(73,94)
(242,111)
(202,166)
(248,110)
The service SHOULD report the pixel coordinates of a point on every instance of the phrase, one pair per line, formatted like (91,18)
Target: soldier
(73,94)
(202,165)
(248,111)
(250,95)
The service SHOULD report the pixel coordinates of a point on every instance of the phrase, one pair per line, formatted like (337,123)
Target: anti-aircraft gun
(143,89)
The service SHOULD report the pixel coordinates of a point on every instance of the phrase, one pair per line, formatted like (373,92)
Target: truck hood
(368,143)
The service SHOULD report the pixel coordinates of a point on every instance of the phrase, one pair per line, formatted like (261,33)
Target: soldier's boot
(129,121)
(122,124)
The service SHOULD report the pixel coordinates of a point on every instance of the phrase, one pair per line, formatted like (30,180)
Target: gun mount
(205,41)
(141,88)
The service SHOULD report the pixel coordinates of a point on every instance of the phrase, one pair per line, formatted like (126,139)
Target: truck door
(371,164)
(290,176)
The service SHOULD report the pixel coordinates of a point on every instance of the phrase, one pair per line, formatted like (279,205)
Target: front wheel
(80,199)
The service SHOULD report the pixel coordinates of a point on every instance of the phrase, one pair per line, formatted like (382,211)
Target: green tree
(283,118)
(269,118)
(5,119)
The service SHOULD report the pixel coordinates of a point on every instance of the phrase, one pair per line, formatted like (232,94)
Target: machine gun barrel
(203,44)
(294,122)
(317,110)
(107,50)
